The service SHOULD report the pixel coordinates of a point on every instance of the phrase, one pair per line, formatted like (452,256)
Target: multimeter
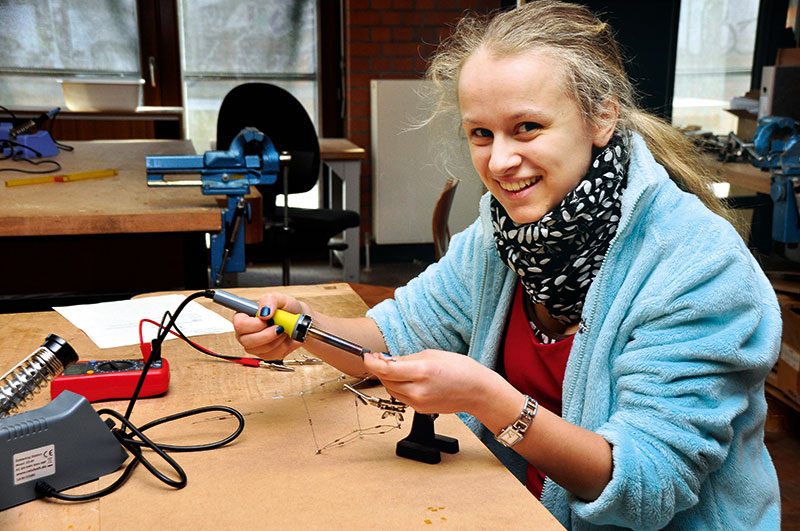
(111,379)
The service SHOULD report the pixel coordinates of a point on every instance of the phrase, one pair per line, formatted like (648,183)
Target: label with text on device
(34,464)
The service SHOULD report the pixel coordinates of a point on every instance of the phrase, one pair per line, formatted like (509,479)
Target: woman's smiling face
(528,140)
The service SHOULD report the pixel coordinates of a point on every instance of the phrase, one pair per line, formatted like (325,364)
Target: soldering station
(29,140)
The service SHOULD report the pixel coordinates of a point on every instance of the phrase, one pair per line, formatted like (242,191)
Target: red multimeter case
(111,379)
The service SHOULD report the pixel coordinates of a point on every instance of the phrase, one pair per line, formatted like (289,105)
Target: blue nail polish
(264,311)
(279,330)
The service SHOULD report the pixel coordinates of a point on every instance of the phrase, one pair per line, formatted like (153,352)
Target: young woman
(601,326)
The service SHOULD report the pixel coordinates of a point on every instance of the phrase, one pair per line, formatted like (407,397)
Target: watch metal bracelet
(514,433)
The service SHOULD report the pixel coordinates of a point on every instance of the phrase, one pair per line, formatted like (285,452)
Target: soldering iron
(298,326)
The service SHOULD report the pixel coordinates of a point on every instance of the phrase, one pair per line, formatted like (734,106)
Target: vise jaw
(230,172)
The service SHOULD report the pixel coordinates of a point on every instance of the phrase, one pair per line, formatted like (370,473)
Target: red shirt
(534,368)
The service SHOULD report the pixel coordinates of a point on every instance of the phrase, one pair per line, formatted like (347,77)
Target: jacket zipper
(480,297)
(599,279)
(590,319)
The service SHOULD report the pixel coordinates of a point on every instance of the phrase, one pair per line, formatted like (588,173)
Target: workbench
(110,236)
(746,176)
(271,477)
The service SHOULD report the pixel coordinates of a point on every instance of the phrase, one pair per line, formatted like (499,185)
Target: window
(716,40)
(44,41)
(229,42)
(223,43)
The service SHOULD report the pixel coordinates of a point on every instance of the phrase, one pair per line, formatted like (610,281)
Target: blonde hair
(585,46)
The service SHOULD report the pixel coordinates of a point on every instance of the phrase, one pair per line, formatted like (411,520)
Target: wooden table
(745,175)
(342,158)
(107,236)
(271,477)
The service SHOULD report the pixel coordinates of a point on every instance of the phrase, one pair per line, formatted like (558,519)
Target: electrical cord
(8,144)
(242,360)
(59,145)
(9,112)
(133,438)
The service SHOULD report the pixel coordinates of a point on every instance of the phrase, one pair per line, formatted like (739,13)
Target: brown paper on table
(271,477)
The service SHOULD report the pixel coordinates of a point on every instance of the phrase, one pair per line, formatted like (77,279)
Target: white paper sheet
(116,324)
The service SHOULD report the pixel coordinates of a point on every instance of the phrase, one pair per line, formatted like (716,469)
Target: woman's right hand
(267,342)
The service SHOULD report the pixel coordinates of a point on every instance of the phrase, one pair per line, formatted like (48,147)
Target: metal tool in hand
(298,326)
(389,407)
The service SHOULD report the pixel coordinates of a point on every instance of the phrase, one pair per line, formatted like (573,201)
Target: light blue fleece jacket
(678,332)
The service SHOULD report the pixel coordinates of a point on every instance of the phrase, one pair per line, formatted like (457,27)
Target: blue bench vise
(777,142)
(775,139)
(229,173)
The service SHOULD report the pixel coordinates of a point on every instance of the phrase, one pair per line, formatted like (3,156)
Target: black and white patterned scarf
(558,256)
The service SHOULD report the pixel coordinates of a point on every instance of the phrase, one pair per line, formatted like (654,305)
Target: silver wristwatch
(514,433)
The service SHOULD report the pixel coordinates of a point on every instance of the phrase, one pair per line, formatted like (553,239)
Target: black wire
(10,112)
(129,434)
(155,352)
(135,446)
(189,413)
(59,145)
(9,144)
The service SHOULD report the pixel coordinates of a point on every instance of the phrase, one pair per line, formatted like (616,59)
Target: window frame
(160,60)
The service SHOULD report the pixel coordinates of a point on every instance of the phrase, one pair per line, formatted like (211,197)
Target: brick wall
(390,39)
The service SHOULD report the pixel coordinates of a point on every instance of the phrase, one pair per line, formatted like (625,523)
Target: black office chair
(279,115)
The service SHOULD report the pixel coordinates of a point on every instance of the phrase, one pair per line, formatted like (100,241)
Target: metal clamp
(389,407)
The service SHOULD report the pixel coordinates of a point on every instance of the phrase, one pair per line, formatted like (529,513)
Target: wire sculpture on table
(391,408)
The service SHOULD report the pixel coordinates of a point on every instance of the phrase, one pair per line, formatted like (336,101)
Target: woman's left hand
(433,381)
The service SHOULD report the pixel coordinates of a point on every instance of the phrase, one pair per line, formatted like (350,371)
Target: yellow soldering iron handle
(287,320)
(296,325)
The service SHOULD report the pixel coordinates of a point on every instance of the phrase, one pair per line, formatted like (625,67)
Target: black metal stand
(286,228)
(422,444)
(231,232)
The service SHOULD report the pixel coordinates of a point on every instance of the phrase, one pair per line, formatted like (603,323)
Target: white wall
(408,173)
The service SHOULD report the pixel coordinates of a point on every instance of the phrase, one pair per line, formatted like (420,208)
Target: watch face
(509,436)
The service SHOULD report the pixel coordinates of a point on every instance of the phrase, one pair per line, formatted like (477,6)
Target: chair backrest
(278,114)
(441,213)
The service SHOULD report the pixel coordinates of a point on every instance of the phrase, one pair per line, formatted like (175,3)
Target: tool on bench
(18,385)
(777,140)
(775,147)
(422,444)
(27,140)
(112,379)
(298,326)
(229,173)
(67,431)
